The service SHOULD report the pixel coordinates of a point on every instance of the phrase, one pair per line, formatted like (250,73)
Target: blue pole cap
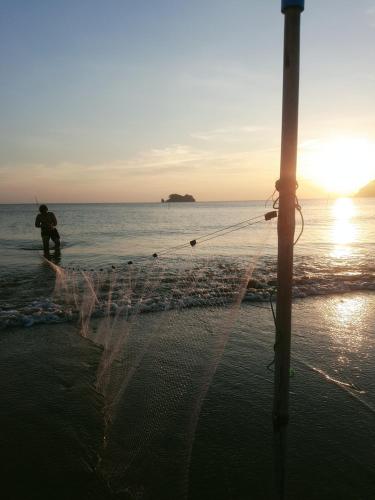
(285,4)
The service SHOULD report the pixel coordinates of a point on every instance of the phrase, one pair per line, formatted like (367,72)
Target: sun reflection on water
(348,313)
(344,231)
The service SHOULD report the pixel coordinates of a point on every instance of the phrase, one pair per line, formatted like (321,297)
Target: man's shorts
(52,234)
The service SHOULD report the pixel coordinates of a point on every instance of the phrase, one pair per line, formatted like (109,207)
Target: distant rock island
(368,191)
(179,198)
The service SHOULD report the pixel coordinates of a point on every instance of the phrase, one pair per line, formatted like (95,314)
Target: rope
(274,320)
(202,239)
(299,209)
(297,205)
(227,232)
(214,234)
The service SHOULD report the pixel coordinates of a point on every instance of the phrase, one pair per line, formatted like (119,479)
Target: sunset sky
(126,101)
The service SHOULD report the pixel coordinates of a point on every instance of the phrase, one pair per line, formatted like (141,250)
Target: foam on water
(215,283)
(327,261)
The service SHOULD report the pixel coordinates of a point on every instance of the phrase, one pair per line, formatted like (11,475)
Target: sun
(340,166)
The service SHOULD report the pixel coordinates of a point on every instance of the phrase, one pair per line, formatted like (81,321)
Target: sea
(195,419)
(333,255)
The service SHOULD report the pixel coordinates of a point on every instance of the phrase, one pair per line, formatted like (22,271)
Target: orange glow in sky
(341,165)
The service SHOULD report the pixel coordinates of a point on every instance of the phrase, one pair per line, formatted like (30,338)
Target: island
(180,198)
(367,191)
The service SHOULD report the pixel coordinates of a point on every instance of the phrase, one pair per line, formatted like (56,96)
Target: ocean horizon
(325,199)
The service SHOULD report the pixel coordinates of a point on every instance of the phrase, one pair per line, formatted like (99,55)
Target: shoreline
(52,412)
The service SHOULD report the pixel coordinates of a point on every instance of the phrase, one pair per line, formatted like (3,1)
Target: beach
(52,416)
(130,376)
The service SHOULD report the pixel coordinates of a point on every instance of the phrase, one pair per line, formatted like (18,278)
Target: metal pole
(286,224)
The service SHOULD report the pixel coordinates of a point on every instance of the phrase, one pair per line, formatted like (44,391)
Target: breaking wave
(176,284)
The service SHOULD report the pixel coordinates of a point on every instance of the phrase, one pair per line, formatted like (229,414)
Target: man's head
(43,209)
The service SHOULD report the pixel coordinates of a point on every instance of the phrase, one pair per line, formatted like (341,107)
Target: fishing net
(163,322)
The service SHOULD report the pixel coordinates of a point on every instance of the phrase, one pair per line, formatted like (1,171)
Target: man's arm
(37,221)
(53,218)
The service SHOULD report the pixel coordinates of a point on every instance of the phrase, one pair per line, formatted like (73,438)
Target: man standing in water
(47,222)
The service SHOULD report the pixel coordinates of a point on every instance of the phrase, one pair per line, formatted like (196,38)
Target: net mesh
(163,324)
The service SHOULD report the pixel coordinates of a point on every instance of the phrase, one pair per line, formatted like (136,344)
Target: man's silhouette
(47,222)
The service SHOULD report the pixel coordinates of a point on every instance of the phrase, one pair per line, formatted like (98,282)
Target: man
(47,222)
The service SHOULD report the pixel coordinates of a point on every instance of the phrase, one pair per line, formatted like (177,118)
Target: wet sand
(52,422)
(50,415)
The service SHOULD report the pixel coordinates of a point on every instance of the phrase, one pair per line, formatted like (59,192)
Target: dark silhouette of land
(180,198)
(367,191)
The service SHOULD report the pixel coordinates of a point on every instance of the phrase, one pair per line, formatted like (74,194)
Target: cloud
(156,172)
(156,162)
(225,76)
(228,134)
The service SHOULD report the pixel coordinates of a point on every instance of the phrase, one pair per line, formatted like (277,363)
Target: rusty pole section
(286,225)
